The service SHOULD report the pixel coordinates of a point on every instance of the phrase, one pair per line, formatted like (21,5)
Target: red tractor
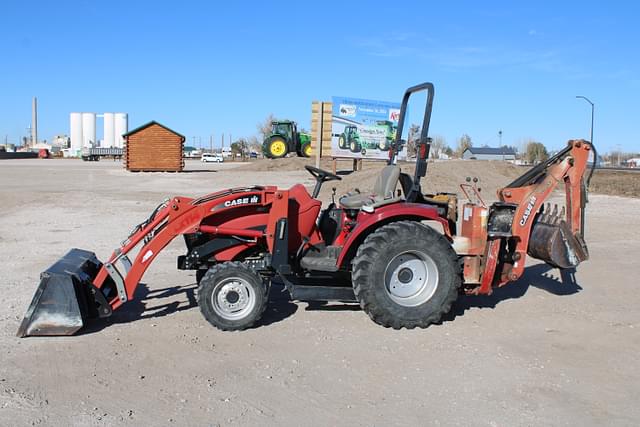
(397,252)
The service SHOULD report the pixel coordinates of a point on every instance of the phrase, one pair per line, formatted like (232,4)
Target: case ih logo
(249,200)
(394,114)
(527,211)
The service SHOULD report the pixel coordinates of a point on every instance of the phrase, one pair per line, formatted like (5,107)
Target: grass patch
(616,183)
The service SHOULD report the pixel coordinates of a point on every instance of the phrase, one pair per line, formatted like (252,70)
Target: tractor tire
(200,274)
(232,296)
(406,275)
(354,146)
(305,150)
(341,143)
(276,147)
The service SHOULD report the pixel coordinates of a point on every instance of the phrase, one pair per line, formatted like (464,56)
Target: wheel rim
(353,146)
(341,142)
(307,150)
(411,278)
(233,298)
(278,148)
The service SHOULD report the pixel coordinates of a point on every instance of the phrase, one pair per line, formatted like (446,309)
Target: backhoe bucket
(553,242)
(65,297)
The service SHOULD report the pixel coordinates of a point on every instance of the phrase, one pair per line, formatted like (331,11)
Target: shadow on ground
(539,276)
(148,304)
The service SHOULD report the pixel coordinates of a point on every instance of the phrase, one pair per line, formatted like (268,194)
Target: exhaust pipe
(65,297)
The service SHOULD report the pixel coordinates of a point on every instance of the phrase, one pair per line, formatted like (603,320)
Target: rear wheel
(341,143)
(200,274)
(406,274)
(232,296)
(276,147)
(354,146)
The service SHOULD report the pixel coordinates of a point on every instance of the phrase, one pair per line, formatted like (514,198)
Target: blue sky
(206,68)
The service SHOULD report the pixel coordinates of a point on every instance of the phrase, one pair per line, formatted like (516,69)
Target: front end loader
(403,255)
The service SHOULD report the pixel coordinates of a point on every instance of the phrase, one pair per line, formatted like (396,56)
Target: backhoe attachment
(553,242)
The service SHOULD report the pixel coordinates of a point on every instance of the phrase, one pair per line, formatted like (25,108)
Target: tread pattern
(379,248)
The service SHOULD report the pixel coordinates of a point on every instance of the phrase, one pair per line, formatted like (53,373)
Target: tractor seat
(383,191)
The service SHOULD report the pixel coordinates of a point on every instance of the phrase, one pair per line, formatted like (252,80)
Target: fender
(367,222)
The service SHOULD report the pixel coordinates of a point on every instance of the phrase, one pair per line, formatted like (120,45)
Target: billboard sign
(363,128)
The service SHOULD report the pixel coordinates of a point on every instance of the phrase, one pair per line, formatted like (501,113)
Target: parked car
(253,155)
(212,157)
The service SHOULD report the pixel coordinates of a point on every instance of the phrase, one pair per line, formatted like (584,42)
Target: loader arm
(79,286)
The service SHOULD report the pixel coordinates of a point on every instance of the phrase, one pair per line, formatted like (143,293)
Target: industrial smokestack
(34,122)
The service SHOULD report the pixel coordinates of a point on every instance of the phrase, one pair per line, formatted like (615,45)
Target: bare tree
(464,142)
(438,146)
(414,134)
(536,152)
(264,127)
(254,145)
(240,147)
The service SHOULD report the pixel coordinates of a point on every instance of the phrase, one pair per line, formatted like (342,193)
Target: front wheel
(232,296)
(406,275)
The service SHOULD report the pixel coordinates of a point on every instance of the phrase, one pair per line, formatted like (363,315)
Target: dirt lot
(537,352)
(619,183)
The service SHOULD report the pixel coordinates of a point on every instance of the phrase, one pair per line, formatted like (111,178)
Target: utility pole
(592,111)
(619,152)
(34,121)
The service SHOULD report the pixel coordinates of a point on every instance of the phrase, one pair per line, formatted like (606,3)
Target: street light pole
(592,111)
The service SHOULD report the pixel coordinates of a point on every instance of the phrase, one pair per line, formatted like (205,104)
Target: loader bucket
(553,242)
(65,297)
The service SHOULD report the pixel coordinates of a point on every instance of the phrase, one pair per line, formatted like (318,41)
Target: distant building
(489,153)
(154,147)
(633,163)
(226,152)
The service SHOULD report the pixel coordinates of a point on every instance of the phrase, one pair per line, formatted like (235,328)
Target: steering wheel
(321,177)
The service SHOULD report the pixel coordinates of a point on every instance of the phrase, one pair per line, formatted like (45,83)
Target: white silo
(109,131)
(121,127)
(75,132)
(88,130)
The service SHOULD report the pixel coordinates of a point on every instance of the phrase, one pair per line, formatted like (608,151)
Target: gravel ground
(541,351)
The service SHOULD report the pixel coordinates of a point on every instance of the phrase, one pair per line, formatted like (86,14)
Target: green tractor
(349,139)
(284,139)
(390,130)
(385,133)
